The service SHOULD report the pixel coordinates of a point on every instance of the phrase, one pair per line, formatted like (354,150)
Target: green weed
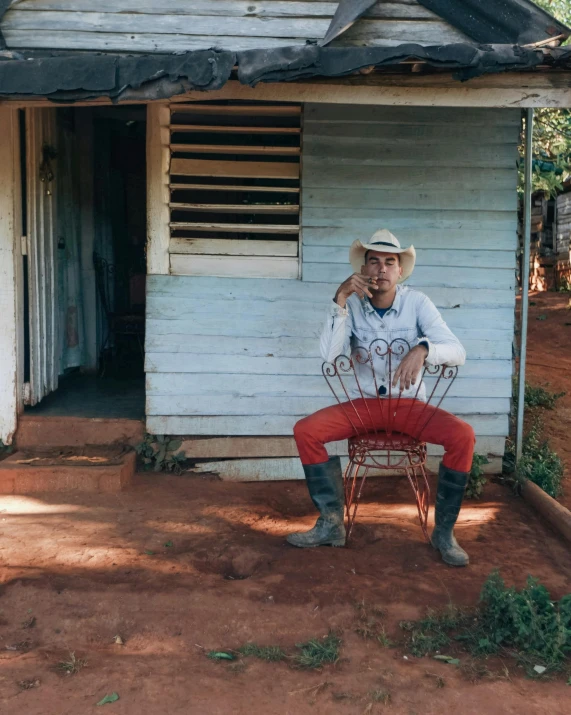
(161,453)
(272,653)
(316,653)
(477,479)
(536,396)
(539,463)
(525,624)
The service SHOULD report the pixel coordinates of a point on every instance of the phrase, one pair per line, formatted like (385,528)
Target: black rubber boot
(449,495)
(325,484)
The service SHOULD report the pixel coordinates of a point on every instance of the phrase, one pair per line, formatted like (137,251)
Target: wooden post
(158,164)
(10,272)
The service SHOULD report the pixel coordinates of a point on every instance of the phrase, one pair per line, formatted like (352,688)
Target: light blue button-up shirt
(412,316)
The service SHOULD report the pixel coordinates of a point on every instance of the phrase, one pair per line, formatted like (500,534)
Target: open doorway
(85,210)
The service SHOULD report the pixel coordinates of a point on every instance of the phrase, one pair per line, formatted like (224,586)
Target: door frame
(11,276)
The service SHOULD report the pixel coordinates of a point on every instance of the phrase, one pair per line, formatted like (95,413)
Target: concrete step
(43,432)
(87,469)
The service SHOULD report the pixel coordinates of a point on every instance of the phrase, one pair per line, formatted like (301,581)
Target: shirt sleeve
(444,348)
(336,333)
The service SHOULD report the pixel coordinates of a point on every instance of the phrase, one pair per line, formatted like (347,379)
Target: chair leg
(353,491)
(421,490)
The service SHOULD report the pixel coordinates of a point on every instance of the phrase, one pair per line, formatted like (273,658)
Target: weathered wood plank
(242,447)
(231,188)
(226,8)
(257,327)
(317,293)
(425,239)
(275,425)
(163,42)
(369,220)
(235,169)
(255,470)
(158,161)
(433,30)
(399,116)
(192,360)
(423,275)
(286,229)
(223,129)
(229,404)
(237,208)
(233,247)
(267,313)
(456,200)
(244,266)
(382,133)
(293,347)
(411,177)
(235,149)
(424,257)
(286,386)
(328,152)
(269,110)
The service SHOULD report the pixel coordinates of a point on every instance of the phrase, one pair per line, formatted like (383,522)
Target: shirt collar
(368,308)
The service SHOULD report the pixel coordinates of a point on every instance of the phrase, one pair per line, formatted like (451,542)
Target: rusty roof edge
(149,77)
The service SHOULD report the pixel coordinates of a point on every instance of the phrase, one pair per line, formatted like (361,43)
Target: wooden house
(244,146)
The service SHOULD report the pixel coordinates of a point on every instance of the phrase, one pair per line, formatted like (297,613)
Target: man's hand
(355,284)
(408,371)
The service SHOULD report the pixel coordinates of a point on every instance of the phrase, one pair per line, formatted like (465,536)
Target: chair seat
(380,441)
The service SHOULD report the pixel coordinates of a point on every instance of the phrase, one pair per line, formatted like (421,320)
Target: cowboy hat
(384,242)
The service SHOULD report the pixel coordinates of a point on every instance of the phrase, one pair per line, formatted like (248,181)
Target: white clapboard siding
(171,25)
(254,386)
(226,356)
(318,293)
(255,470)
(297,406)
(212,364)
(259,425)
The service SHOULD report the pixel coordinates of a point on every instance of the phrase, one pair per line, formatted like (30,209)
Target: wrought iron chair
(385,449)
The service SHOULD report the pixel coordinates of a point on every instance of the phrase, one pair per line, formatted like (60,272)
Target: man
(372,304)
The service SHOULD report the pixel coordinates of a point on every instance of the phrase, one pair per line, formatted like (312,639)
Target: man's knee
(300,429)
(466,434)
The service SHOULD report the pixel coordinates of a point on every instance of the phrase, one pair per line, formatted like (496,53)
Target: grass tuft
(525,624)
(381,696)
(316,653)
(272,653)
(72,665)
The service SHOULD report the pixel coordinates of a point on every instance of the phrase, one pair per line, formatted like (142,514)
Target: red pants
(411,417)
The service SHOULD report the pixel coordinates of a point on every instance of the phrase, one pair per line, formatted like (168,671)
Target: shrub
(476,479)
(539,463)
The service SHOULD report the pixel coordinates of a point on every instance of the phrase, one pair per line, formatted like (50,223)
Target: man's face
(385,267)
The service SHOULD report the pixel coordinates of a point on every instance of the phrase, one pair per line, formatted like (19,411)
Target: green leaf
(109,699)
(169,543)
(448,659)
(217,655)
(174,445)
(160,438)
(149,553)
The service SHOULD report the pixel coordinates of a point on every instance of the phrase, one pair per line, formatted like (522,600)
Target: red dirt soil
(90,567)
(549,365)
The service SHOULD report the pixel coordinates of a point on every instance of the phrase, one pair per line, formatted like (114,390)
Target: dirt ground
(549,366)
(180,566)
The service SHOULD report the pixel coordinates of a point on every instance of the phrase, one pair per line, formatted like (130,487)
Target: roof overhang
(68,77)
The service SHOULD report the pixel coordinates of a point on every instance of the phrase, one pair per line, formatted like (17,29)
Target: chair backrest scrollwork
(368,373)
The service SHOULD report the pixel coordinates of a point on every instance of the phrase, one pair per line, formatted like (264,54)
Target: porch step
(88,469)
(42,432)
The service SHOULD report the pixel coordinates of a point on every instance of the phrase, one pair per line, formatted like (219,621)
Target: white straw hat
(383,241)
